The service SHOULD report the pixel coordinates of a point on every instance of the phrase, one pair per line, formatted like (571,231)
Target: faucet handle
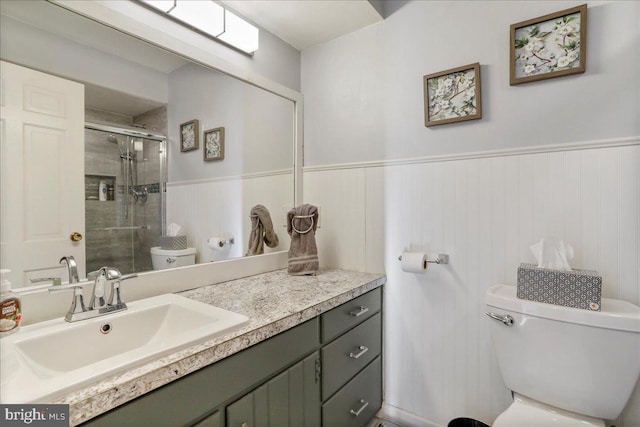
(110,273)
(114,298)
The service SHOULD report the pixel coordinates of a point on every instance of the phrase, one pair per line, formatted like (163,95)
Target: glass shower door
(123,199)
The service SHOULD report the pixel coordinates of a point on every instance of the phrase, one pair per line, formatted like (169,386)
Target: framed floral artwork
(189,135)
(214,144)
(549,46)
(453,95)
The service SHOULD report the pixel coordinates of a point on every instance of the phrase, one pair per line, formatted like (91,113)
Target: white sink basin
(52,358)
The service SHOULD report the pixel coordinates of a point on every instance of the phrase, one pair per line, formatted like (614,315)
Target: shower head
(122,146)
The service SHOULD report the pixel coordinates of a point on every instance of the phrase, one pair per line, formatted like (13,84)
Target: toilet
(565,366)
(162,259)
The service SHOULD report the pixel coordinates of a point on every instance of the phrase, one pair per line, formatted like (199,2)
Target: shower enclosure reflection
(124,204)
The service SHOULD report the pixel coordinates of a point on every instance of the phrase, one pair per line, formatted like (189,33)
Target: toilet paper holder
(223,241)
(442,259)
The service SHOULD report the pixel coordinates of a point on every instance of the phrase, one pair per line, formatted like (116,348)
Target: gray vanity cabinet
(288,400)
(351,361)
(192,399)
(324,372)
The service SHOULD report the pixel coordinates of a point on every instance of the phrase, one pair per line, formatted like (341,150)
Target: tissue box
(173,242)
(574,288)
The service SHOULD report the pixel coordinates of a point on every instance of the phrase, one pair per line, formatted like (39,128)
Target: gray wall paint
(258,125)
(364,93)
(34,48)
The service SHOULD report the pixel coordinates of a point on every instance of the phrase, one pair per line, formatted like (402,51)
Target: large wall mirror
(150,121)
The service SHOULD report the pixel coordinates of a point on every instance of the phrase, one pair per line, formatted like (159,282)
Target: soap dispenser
(11,312)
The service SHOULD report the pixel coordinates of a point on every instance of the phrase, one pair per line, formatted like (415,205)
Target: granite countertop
(274,302)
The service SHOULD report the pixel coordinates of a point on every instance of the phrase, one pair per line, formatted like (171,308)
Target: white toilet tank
(171,258)
(582,361)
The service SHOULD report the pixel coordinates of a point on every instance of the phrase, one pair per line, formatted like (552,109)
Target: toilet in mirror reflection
(171,258)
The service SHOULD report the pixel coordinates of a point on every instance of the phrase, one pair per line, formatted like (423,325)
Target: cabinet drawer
(357,402)
(347,355)
(350,314)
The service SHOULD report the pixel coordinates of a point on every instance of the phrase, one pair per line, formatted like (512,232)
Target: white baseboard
(404,418)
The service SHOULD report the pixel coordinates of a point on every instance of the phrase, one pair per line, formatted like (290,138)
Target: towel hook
(302,217)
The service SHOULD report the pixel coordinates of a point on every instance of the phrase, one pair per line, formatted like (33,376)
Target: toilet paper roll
(414,262)
(218,243)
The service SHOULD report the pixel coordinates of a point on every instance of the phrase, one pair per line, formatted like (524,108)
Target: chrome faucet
(72,268)
(98,306)
(105,274)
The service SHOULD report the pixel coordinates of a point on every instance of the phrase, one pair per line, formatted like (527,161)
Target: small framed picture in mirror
(214,144)
(189,135)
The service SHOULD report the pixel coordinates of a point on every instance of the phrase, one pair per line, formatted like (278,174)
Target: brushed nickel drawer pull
(359,312)
(364,405)
(362,349)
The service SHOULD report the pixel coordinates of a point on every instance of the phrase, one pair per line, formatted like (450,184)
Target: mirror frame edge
(113,15)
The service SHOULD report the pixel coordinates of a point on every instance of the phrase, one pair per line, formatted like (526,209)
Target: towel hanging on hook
(261,231)
(302,222)
(311,226)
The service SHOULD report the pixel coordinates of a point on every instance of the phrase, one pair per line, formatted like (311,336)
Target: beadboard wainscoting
(207,208)
(484,212)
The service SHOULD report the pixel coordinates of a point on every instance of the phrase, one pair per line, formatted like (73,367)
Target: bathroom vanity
(310,356)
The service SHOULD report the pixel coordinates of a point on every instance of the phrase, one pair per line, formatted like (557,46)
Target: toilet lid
(525,412)
(157,250)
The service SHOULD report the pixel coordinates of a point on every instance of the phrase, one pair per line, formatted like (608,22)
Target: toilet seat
(525,412)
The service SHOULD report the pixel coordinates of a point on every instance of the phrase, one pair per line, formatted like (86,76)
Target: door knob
(75,236)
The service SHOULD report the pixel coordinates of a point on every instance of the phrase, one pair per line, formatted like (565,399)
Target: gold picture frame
(189,135)
(549,46)
(452,95)
(213,145)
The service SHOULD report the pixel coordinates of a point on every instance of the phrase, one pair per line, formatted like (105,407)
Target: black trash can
(466,422)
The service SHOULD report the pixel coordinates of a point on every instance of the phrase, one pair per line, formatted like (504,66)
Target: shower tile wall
(127,250)
(105,247)
(155,121)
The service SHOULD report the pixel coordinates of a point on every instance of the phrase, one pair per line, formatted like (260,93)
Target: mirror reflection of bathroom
(124,175)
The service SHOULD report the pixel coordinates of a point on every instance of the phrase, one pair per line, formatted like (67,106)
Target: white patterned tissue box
(173,242)
(573,288)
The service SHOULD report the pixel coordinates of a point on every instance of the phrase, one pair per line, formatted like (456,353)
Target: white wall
(484,212)
(220,206)
(364,94)
(364,103)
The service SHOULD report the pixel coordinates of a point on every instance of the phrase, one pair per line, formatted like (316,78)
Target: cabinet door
(291,399)
(212,420)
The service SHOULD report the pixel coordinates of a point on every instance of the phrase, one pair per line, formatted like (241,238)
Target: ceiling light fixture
(212,19)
